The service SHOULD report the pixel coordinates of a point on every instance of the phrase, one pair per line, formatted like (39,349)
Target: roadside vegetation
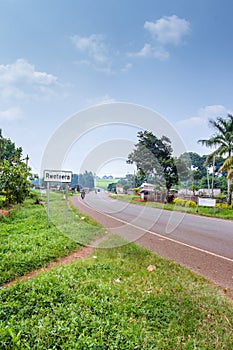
(27,243)
(119,298)
(222,210)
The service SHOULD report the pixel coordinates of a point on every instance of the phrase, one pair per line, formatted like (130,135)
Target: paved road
(204,245)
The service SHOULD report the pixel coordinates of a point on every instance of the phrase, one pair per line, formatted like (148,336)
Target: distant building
(119,189)
(199,192)
(147,191)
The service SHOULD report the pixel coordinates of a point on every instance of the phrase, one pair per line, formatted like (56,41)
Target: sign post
(67,208)
(48,204)
(206,202)
(56,176)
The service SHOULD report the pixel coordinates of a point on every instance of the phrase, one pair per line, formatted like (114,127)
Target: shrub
(179,201)
(136,190)
(3,202)
(184,203)
(190,204)
(170,198)
(224,206)
(14,181)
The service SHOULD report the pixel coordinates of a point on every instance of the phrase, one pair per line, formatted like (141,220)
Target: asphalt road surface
(204,245)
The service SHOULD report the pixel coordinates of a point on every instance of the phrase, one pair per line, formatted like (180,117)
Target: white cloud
(22,71)
(100,100)
(168,29)
(127,67)
(165,31)
(196,127)
(149,51)
(204,114)
(94,46)
(11,114)
(17,79)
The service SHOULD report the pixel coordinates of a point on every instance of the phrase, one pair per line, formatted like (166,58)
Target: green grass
(108,301)
(26,243)
(204,211)
(113,302)
(78,227)
(103,183)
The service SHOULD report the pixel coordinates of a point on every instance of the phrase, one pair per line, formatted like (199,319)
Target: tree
(153,158)
(74,182)
(8,150)
(222,141)
(14,173)
(183,169)
(228,165)
(14,181)
(195,162)
(86,179)
(112,187)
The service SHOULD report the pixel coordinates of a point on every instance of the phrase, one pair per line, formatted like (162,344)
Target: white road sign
(57,176)
(206,202)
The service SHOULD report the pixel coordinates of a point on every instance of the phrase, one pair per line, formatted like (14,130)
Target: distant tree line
(86,180)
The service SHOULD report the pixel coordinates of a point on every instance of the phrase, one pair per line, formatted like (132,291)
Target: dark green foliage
(14,173)
(153,156)
(86,180)
(112,187)
(14,181)
(8,150)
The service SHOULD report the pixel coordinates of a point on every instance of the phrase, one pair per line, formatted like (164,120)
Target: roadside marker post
(61,176)
(48,204)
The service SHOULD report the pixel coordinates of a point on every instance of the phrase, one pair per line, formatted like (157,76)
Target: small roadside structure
(147,191)
(119,189)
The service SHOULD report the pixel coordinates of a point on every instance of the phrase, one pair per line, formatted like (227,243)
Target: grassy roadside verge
(112,300)
(26,243)
(220,213)
(122,297)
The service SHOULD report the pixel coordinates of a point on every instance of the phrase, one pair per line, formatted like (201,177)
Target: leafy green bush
(184,203)
(136,190)
(190,204)
(3,202)
(224,206)
(179,201)
(14,181)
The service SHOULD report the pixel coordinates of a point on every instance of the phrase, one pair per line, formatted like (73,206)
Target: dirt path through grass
(79,254)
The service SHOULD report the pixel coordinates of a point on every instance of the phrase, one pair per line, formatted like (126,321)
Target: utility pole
(213,173)
(208,181)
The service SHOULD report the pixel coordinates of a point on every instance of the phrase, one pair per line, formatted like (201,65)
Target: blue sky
(60,57)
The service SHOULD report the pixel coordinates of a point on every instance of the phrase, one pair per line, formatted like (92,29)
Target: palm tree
(228,166)
(222,141)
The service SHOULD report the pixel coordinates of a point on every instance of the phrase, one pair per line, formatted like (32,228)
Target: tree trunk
(229,193)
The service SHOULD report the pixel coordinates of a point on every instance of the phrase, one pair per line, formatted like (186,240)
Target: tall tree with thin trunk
(228,166)
(222,141)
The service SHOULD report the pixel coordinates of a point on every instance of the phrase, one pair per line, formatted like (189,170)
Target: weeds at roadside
(113,301)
